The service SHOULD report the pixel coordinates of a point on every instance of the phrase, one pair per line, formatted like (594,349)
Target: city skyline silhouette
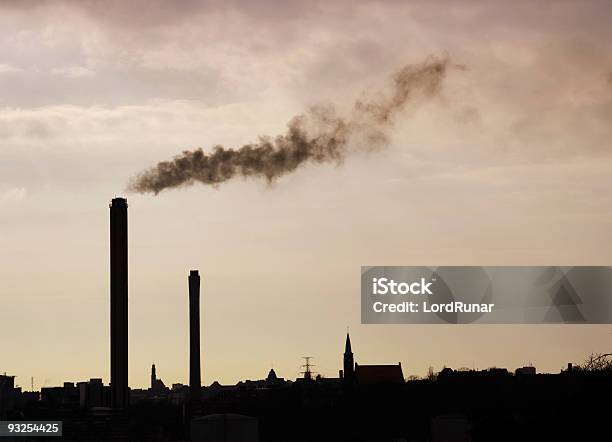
(119,340)
(291,372)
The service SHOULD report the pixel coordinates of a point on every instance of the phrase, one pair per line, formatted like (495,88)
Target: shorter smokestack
(195,386)
(153,377)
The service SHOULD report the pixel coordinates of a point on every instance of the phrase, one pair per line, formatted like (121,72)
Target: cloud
(139,82)
(8,69)
(73,72)
(67,146)
(12,195)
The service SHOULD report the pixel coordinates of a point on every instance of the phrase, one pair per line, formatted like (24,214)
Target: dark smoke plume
(318,136)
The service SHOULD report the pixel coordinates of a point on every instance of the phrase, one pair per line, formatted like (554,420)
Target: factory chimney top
(118,201)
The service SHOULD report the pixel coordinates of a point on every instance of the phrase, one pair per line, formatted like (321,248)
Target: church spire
(349,363)
(347,346)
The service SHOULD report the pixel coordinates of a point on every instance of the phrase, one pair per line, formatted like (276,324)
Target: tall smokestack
(194,336)
(119,302)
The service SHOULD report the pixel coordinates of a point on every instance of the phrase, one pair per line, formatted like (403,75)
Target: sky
(510,164)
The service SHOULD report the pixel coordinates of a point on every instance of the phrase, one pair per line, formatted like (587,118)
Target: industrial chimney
(194,336)
(119,302)
(153,377)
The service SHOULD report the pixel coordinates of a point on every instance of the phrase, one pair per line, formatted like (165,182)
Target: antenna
(32,385)
(307,366)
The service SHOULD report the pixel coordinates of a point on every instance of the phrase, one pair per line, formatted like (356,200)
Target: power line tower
(307,368)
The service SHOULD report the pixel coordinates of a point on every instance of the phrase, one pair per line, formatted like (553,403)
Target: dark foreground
(455,407)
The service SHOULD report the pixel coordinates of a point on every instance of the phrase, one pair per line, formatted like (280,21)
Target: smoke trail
(318,136)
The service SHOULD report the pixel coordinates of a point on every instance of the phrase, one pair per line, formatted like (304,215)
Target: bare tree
(597,362)
(431,374)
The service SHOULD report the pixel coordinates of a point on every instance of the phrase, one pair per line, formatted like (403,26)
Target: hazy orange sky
(510,165)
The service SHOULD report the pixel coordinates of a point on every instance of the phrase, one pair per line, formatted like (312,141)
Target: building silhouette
(348,371)
(92,393)
(7,394)
(273,379)
(119,302)
(356,374)
(195,383)
(157,385)
(379,374)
